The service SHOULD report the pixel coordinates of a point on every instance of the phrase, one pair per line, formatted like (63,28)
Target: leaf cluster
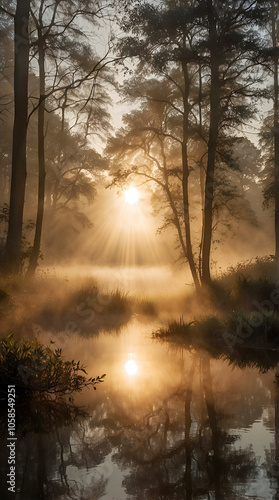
(38,370)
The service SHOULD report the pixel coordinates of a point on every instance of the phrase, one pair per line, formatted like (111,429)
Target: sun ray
(125,233)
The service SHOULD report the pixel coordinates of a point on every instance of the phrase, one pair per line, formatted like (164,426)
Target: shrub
(36,369)
(246,292)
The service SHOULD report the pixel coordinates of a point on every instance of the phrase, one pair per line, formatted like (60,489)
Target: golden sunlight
(131,367)
(131,195)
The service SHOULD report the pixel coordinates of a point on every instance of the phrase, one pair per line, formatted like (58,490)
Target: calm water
(167,425)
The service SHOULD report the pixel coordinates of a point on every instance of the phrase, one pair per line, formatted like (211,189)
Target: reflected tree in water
(60,445)
(181,449)
(180,444)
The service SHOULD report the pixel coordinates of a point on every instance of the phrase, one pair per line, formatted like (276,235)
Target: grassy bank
(237,318)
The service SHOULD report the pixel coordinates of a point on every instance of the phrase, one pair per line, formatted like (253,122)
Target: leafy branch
(36,369)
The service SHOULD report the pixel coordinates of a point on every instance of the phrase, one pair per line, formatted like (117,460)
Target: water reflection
(175,425)
(181,448)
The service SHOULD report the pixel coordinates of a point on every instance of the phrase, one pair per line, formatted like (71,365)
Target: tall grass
(53,303)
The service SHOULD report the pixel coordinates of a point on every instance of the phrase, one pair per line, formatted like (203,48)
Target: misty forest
(139,249)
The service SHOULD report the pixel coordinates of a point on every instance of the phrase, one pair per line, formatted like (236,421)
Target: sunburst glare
(131,195)
(125,232)
(131,367)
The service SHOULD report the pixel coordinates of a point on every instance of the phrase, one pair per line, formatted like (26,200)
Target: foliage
(246,333)
(110,302)
(246,292)
(192,335)
(256,346)
(35,369)
(76,99)
(167,141)
(259,268)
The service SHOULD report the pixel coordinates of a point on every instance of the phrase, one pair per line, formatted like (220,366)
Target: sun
(131,367)
(131,195)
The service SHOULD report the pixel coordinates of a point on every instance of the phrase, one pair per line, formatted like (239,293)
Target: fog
(139,250)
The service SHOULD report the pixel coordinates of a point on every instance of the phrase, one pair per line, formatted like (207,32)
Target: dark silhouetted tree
(12,258)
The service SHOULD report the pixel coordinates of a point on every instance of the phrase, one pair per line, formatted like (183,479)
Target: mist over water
(142,280)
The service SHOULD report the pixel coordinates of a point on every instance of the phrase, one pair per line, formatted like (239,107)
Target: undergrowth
(35,369)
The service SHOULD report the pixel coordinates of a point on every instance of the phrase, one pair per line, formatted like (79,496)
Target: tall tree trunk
(276,381)
(274,13)
(185,179)
(212,145)
(58,168)
(276,408)
(201,167)
(33,263)
(2,183)
(12,257)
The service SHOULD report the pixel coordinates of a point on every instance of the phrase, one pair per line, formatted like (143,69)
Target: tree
(77,170)
(229,49)
(269,58)
(148,152)
(12,258)
(55,24)
(214,119)
(6,105)
(70,77)
(205,53)
(275,39)
(152,141)
(41,144)
(163,50)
